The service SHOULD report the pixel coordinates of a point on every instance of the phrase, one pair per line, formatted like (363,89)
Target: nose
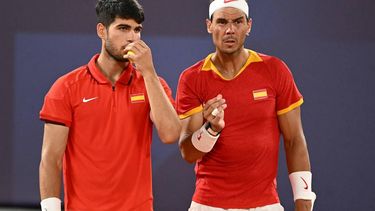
(230,29)
(132,36)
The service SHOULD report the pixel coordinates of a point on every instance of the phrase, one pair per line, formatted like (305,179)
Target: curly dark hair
(108,10)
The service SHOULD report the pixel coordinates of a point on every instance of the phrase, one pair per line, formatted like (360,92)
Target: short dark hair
(108,10)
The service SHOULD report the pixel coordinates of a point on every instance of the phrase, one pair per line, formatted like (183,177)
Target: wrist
(202,140)
(211,130)
(148,73)
(301,182)
(51,204)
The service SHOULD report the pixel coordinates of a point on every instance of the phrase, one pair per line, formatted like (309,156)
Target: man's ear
(101,30)
(249,24)
(208,24)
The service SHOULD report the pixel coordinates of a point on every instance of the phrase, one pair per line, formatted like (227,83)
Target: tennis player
(99,119)
(234,105)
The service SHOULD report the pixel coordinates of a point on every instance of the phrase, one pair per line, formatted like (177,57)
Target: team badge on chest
(137,98)
(260,94)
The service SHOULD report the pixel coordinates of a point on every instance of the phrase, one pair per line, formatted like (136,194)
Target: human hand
(303,205)
(213,112)
(140,55)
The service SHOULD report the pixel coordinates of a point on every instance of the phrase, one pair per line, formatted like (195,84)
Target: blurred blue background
(328,45)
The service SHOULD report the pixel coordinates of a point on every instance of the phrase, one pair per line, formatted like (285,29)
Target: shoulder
(273,64)
(67,81)
(271,60)
(192,71)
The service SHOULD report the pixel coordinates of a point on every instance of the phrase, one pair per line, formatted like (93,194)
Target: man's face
(118,35)
(229,28)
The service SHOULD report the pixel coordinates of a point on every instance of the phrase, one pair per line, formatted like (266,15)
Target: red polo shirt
(240,171)
(107,162)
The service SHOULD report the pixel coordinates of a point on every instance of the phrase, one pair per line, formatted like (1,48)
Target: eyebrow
(233,20)
(140,27)
(123,25)
(237,19)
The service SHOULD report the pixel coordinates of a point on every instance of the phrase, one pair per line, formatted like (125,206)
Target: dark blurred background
(328,45)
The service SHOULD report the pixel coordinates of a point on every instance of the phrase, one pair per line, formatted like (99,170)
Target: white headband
(239,4)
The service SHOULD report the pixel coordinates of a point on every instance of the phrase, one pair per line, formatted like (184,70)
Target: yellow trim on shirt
(291,107)
(209,65)
(191,112)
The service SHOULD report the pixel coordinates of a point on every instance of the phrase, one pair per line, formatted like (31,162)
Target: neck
(111,68)
(230,64)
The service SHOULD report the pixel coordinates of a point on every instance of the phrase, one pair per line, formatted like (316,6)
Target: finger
(213,100)
(212,110)
(129,47)
(142,44)
(215,112)
(129,55)
(209,110)
(137,48)
(219,111)
(215,105)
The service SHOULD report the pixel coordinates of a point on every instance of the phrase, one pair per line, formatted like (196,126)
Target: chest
(250,96)
(93,102)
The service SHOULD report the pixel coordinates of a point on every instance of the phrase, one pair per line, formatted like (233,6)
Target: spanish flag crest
(137,98)
(260,94)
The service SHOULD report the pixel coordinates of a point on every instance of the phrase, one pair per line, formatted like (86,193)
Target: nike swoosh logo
(306,186)
(199,136)
(89,99)
(227,1)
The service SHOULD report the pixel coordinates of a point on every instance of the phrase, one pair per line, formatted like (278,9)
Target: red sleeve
(288,96)
(57,107)
(168,91)
(188,101)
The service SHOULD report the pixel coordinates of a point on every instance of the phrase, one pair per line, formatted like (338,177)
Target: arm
(162,113)
(297,156)
(189,126)
(193,123)
(54,144)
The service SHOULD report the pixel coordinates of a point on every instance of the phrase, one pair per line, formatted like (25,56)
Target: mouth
(229,41)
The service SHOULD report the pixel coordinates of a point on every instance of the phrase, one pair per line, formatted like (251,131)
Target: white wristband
(51,204)
(202,140)
(301,185)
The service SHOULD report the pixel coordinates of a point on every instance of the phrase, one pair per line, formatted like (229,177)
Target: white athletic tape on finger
(51,204)
(202,140)
(215,112)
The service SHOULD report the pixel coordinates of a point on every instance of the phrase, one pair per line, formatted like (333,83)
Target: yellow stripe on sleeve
(291,107)
(191,112)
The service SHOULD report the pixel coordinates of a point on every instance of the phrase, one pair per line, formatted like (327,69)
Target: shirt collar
(209,65)
(125,78)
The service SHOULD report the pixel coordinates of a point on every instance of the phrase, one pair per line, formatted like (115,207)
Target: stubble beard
(111,51)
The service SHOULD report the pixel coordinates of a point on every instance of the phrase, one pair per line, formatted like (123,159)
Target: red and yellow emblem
(260,94)
(137,98)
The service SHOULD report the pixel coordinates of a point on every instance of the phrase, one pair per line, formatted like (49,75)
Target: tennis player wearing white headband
(237,156)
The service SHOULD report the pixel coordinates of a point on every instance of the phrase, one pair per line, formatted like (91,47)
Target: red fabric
(107,162)
(240,171)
